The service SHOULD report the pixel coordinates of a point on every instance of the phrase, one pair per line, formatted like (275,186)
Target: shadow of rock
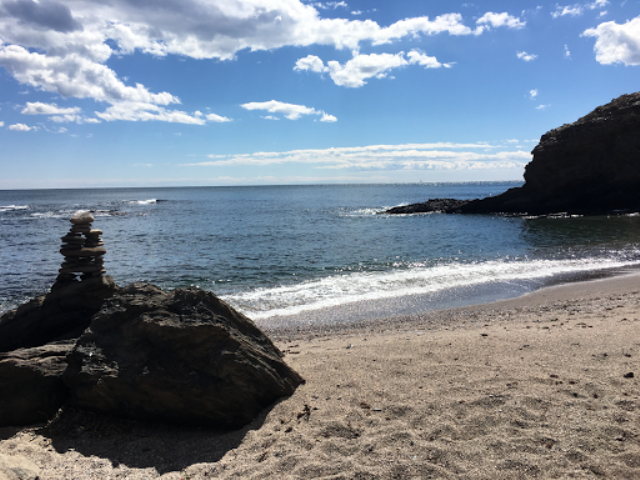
(167,448)
(8,432)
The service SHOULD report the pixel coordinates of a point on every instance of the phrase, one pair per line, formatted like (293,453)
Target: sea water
(277,252)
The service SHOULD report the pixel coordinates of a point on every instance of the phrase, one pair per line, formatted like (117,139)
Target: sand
(542,386)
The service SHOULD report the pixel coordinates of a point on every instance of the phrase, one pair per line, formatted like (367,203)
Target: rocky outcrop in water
(433,205)
(590,167)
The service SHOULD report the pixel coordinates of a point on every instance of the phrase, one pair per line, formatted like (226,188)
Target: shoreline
(586,284)
(544,385)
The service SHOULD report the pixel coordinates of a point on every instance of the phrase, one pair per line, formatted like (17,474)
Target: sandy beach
(542,386)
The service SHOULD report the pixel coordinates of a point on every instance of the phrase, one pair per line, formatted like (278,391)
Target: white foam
(52,214)
(151,201)
(337,290)
(11,208)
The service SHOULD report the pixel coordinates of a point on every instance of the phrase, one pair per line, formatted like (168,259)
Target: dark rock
(591,166)
(31,383)
(83,252)
(445,205)
(184,357)
(64,313)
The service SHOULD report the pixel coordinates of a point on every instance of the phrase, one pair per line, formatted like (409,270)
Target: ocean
(308,254)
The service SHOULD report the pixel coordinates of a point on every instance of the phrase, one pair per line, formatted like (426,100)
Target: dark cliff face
(590,166)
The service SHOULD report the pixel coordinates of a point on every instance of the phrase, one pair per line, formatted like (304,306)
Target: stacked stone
(82,250)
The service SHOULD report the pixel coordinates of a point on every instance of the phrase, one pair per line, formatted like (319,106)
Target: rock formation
(61,314)
(433,205)
(82,249)
(590,167)
(184,357)
(31,383)
(66,311)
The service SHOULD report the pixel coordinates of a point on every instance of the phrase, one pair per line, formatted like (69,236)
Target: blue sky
(245,92)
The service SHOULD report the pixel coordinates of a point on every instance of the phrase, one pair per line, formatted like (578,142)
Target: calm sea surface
(294,251)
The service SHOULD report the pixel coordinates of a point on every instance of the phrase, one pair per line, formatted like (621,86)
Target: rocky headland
(589,167)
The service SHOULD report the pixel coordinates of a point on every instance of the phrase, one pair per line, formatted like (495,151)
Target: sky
(142,93)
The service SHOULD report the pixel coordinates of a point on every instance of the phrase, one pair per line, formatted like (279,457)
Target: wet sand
(541,386)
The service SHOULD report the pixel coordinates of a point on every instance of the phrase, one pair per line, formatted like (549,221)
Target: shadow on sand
(133,444)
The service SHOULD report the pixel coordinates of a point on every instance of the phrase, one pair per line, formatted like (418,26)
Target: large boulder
(31,383)
(591,166)
(62,314)
(184,357)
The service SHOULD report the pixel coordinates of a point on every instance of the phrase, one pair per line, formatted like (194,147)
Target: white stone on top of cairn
(82,217)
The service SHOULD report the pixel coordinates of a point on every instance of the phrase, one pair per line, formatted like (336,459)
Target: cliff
(591,166)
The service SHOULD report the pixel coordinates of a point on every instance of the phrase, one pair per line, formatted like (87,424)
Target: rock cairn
(83,251)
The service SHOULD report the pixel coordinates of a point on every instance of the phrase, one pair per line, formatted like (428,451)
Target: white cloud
(438,156)
(140,111)
(572,10)
(310,63)
(329,5)
(66,118)
(185,27)
(63,47)
(289,110)
(578,9)
(491,19)
(533,93)
(20,127)
(212,117)
(567,52)
(61,130)
(541,107)
(270,117)
(328,118)
(527,57)
(39,108)
(418,58)
(356,12)
(74,76)
(58,114)
(362,67)
(1,124)
(617,43)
